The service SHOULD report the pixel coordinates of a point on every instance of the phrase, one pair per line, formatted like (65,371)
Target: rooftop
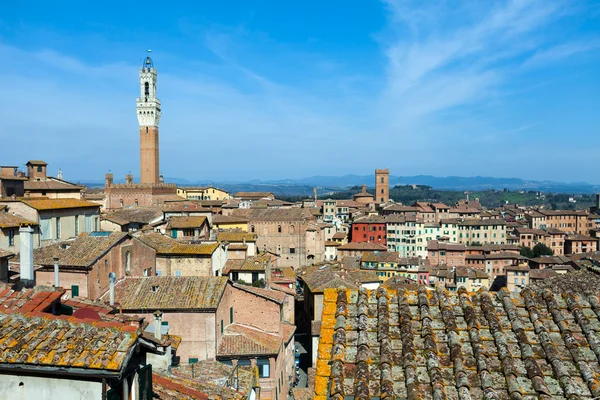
(13,221)
(183,222)
(35,340)
(139,215)
(82,251)
(169,292)
(242,340)
(58,204)
(167,246)
(438,345)
(236,236)
(275,214)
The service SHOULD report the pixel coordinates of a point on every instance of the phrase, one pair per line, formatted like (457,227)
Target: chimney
(157,324)
(56,278)
(161,179)
(364,188)
(129,179)
(111,290)
(60,175)
(26,237)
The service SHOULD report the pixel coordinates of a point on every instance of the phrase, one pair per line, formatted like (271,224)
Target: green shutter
(74,290)
(231,315)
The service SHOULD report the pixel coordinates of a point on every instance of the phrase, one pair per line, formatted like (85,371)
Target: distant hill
(327,184)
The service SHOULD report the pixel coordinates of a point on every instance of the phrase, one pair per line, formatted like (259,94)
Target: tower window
(147,90)
(382,179)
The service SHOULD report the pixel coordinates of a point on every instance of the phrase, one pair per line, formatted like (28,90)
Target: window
(263,367)
(127,262)
(77,225)
(158,272)
(252,228)
(11,237)
(231,315)
(57,227)
(221,327)
(39,168)
(177,272)
(278,228)
(74,290)
(292,250)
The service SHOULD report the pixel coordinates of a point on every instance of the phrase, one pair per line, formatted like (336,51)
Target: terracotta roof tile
(183,222)
(57,204)
(236,236)
(43,342)
(254,263)
(242,340)
(82,251)
(13,221)
(440,345)
(165,245)
(139,215)
(169,292)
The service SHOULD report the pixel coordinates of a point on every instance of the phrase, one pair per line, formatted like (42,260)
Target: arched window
(382,179)
(382,191)
(252,228)
(278,228)
(147,90)
(292,229)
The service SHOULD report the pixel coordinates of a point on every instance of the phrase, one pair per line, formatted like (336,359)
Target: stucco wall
(20,387)
(189,266)
(197,331)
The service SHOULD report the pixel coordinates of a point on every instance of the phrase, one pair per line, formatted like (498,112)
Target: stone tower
(382,185)
(148,114)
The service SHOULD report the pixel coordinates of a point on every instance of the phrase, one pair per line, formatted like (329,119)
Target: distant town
(148,289)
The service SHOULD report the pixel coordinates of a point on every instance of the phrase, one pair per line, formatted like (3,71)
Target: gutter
(78,372)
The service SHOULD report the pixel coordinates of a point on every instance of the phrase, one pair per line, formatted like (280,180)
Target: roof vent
(154,288)
(64,246)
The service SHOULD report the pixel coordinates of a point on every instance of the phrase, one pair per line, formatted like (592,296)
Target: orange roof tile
(57,204)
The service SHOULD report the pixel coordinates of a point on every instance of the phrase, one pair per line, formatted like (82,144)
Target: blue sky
(261,90)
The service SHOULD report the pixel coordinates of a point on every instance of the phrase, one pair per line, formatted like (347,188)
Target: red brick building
(369,229)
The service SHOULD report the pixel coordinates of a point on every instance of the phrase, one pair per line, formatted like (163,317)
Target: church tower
(382,185)
(148,114)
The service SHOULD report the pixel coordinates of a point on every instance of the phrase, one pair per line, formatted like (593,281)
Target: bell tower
(382,185)
(148,114)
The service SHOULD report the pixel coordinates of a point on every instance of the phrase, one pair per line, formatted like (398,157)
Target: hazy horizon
(287,91)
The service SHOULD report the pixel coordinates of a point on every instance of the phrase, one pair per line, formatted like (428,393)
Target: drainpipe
(112,277)
(56,277)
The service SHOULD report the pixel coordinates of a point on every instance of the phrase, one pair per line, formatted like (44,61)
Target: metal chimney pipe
(112,277)
(26,237)
(157,324)
(56,277)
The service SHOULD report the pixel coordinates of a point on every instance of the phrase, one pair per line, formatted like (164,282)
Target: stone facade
(119,195)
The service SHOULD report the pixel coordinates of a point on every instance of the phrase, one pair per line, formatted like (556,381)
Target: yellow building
(389,264)
(230,223)
(202,193)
